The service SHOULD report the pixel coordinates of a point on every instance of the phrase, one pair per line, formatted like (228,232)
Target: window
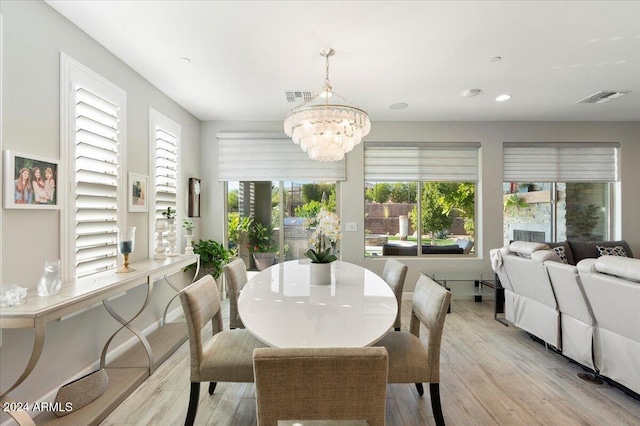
(164,148)
(420,195)
(270,181)
(559,191)
(93,111)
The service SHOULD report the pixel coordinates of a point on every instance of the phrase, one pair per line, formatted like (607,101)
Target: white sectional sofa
(612,287)
(589,312)
(529,300)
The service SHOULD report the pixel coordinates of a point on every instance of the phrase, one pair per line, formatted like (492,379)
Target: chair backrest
(394,273)
(430,305)
(235,273)
(320,384)
(200,303)
(465,245)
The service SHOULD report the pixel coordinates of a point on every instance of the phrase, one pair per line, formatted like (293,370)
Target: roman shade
(270,157)
(421,161)
(560,162)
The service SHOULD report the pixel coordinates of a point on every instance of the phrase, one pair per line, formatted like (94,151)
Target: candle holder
(126,240)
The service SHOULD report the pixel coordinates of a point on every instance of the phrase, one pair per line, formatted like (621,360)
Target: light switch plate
(351,227)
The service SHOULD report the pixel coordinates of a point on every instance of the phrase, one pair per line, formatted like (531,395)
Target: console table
(82,294)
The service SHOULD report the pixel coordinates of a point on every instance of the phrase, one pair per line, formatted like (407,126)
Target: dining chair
(227,356)
(417,360)
(235,273)
(331,385)
(394,273)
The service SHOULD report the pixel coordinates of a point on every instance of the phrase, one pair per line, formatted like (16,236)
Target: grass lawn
(425,240)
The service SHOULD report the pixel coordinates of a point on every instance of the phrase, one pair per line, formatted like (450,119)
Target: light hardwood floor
(490,375)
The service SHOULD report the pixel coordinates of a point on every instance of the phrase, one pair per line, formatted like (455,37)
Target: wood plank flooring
(490,375)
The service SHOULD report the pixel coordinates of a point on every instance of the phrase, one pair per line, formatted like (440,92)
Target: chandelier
(327,131)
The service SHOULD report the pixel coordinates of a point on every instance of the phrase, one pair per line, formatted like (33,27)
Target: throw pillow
(611,251)
(561,253)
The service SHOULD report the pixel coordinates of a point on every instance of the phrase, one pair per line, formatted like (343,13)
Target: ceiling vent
(601,97)
(294,96)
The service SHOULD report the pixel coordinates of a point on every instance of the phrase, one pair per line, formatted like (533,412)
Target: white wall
(34,35)
(489,219)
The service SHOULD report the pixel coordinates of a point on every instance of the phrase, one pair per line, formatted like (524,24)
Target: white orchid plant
(324,238)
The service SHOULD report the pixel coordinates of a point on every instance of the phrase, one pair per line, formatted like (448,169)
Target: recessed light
(503,98)
(470,93)
(399,105)
(186,60)
(496,59)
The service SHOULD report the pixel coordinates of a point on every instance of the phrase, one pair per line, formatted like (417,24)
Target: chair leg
(212,387)
(397,328)
(420,389)
(434,390)
(193,404)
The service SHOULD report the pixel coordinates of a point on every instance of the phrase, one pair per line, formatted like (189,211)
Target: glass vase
(126,241)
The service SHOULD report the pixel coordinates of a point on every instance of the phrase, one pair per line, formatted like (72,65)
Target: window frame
(160,121)
(73,73)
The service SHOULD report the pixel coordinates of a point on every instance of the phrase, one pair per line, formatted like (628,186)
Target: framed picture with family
(30,181)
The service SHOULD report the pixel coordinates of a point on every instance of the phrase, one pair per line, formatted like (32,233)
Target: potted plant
(262,245)
(188,226)
(170,214)
(213,257)
(324,240)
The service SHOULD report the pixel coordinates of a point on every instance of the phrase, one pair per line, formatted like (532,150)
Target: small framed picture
(138,192)
(30,181)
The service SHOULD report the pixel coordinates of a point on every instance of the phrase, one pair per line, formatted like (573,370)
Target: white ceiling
(246,54)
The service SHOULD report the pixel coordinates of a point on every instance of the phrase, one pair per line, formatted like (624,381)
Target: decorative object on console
(611,251)
(12,295)
(126,240)
(188,235)
(75,395)
(326,132)
(161,250)
(50,282)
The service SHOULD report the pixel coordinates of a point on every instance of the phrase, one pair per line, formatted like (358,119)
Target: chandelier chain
(327,82)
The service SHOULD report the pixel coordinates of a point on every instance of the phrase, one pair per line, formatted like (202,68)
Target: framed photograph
(194,197)
(30,181)
(138,192)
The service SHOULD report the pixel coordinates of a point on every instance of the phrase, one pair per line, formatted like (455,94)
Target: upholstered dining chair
(417,360)
(235,274)
(331,385)
(394,273)
(227,356)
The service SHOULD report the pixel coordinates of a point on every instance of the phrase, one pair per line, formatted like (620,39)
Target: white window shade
(270,157)
(421,161)
(96,174)
(560,162)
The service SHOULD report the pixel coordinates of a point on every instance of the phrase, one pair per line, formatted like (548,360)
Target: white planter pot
(320,274)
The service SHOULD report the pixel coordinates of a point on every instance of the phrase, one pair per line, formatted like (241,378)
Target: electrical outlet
(351,227)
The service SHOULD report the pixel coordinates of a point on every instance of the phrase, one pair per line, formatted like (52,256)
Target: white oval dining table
(281,308)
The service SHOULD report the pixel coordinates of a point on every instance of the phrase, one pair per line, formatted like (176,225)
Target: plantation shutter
(96,178)
(270,157)
(560,162)
(166,170)
(421,161)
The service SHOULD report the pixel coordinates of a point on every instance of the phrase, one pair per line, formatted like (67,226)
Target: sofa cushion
(525,248)
(585,250)
(622,267)
(611,251)
(567,251)
(561,252)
